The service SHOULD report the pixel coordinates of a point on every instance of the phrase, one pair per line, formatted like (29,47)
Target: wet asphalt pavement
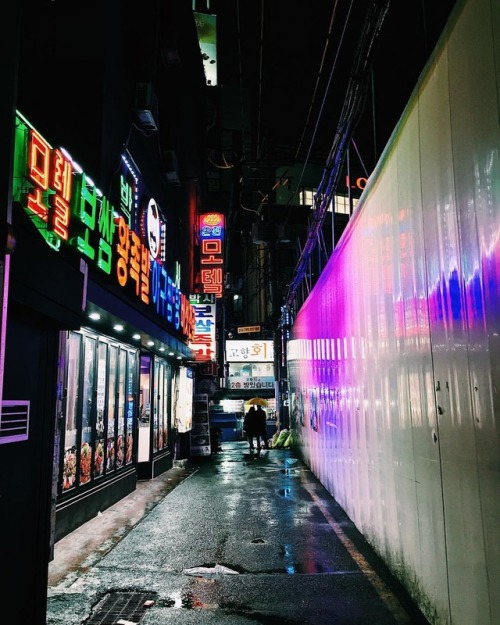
(237,538)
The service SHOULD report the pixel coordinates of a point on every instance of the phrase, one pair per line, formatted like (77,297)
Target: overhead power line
(351,112)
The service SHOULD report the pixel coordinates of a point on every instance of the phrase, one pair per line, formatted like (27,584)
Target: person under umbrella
(254,425)
(261,418)
(250,426)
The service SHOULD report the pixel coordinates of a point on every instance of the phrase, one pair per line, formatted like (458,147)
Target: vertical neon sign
(203,343)
(49,171)
(212,253)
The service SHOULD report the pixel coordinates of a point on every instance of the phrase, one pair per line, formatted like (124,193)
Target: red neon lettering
(60,217)
(211,246)
(38,160)
(61,174)
(36,205)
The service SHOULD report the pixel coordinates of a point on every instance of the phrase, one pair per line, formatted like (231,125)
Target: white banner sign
(249,351)
(245,382)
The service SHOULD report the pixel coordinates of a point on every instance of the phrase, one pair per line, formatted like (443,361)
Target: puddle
(189,601)
(290,471)
(309,566)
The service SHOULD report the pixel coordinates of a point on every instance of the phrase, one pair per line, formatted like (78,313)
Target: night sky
(299,106)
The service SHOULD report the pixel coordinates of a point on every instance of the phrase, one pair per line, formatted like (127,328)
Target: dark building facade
(104,162)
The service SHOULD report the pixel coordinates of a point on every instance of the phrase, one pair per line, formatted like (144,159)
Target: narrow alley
(238,537)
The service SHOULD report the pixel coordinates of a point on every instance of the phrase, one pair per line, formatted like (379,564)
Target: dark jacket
(260,418)
(250,422)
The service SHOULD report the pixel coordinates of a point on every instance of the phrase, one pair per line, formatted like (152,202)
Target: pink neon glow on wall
(394,361)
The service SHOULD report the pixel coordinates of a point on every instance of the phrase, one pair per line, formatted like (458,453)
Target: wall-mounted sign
(250,375)
(249,351)
(203,342)
(124,243)
(247,329)
(211,234)
(153,229)
(206,27)
(250,383)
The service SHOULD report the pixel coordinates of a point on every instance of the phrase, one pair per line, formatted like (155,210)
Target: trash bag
(274,438)
(290,440)
(280,441)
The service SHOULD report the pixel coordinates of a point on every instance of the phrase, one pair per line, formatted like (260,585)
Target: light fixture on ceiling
(95,316)
(118,327)
(150,343)
(136,336)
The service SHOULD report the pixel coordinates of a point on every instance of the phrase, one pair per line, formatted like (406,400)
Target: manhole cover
(120,606)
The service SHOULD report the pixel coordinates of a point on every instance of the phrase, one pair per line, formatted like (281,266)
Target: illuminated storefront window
(99,409)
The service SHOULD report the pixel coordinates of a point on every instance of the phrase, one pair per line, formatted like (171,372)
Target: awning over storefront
(114,309)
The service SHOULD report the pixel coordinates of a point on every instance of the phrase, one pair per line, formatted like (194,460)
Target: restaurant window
(111,429)
(162,404)
(99,408)
(74,347)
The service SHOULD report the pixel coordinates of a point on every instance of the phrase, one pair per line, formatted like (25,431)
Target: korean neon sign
(211,234)
(68,209)
(203,342)
(49,169)
(93,225)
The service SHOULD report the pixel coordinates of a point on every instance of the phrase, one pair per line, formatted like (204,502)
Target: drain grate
(116,606)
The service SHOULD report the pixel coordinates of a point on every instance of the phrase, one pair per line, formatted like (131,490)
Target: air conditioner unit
(171,168)
(146,106)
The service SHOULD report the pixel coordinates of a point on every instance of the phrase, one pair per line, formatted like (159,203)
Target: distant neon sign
(67,208)
(211,235)
(250,351)
(203,342)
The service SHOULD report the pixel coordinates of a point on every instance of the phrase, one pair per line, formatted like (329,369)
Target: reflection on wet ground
(248,538)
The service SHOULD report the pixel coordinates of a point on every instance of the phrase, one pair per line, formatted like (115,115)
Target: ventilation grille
(117,607)
(14,421)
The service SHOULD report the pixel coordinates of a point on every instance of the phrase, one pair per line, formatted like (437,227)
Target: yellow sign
(247,329)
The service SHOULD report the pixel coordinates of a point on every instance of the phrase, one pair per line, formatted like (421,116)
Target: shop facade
(118,372)
(94,285)
(97,427)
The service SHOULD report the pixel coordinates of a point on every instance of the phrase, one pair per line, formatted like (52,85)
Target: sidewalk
(248,538)
(84,547)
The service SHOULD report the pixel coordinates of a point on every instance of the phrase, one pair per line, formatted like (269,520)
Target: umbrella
(257,401)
